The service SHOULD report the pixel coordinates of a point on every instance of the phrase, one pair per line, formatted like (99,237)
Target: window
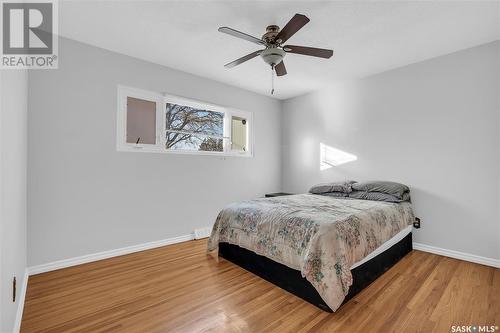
(153,122)
(141,121)
(239,134)
(190,128)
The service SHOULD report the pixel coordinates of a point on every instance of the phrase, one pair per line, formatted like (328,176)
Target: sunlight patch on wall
(330,157)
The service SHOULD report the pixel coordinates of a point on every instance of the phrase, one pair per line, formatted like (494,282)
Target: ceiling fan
(274,50)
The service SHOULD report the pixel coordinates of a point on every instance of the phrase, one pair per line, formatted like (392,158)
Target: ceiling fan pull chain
(272,79)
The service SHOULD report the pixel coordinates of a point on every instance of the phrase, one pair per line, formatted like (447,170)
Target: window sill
(143,149)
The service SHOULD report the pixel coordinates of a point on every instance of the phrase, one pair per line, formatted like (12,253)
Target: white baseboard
(106,254)
(20,304)
(202,232)
(458,255)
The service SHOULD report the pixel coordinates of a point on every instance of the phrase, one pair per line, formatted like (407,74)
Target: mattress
(385,246)
(320,236)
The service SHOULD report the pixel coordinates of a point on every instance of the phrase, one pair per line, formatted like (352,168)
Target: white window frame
(161,101)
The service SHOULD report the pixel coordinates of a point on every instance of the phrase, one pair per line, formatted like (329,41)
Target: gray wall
(13,155)
(85,197)
(433,125)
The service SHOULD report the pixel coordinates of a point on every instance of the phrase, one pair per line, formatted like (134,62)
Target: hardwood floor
(179,288)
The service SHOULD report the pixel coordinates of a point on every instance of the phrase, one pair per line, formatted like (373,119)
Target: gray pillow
(343,187)
(378,196)
(392,188)
(336,194)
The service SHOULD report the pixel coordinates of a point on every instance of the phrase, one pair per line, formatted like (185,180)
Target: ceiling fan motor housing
(273,55)
(271,32)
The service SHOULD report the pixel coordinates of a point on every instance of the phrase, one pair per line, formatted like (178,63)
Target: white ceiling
(367,36)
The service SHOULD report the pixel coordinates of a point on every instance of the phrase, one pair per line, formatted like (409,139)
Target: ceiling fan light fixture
(273,55)
(273,40)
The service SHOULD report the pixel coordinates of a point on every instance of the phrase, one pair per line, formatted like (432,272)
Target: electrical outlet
(14,289)
(416,224)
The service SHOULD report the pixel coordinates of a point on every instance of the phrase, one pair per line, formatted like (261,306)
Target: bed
(324,249)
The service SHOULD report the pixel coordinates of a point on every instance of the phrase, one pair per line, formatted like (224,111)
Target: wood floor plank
(181,288)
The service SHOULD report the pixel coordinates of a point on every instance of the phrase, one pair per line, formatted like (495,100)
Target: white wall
(85,197)
(13,154)
(432,125)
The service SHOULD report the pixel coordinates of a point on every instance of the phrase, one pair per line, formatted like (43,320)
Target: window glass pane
(184,141)
(141,121)
(193,129)
(238,134)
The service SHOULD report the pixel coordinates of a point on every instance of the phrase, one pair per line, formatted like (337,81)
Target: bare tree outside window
(193,129)
(211,144)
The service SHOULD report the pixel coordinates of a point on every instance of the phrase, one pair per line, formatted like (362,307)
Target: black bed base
(291,280)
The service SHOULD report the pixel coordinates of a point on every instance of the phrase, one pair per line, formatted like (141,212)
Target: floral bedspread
(319,235)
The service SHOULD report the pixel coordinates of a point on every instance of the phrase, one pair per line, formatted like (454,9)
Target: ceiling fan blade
(242,59)
(310,51)
(242,35)
(294,25)
(280,69)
